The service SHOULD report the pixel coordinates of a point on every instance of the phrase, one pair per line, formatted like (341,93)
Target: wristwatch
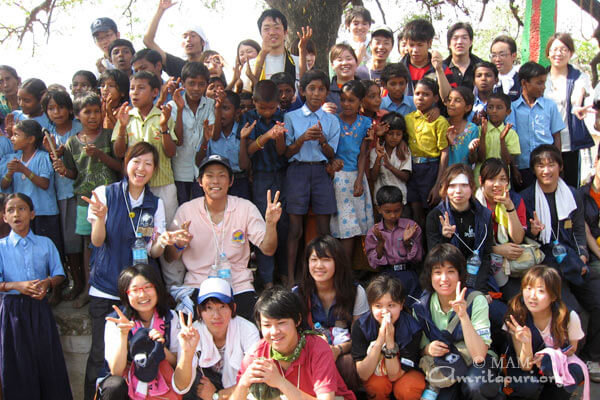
(216,396)
(390,353)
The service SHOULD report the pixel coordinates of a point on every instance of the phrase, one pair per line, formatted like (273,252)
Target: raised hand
(178,98)
(49,144)
(329,107)
(380,150)
(9,124)
(437,61)
(451,134)
(378,234)
(250,74)
(381,128)
(183,237)
(505,131)
(447,229)
(505,199)
(91,150)
(521,333)
(166,4)
(459,305)
(474,144)
(123,323)
(304,37)
(484,126)
(188,336)
(409,232)
(581,112)
(219,97)
(247,129)
(59,167)
(156,336)
(535,225)
(165,114)
(207,131)
(123,114)
(278,130)
(96,206)
(273,212)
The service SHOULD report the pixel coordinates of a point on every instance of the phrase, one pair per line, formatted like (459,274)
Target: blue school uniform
(405,107)
(41,119)
(64,185)
(267,159)
(32,364)
(459,151)
(351,137)
(228,147)
(44,201)
(534,125)
(6,146)
(297,122)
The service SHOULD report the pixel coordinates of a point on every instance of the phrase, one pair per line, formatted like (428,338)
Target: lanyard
(129,214)
(218,244)
(557,230)
(467,246)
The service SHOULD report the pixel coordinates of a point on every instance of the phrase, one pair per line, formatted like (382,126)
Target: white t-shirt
(573,328)
(160,225)
(361,305)
(558,93)
(387,177)
(273,65)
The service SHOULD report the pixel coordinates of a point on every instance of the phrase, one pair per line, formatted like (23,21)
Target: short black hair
(120,78)
(283,78)
(121,42)
(501,96)
(531,70)
(18,195)
(194,69)
(388,195)
(545,151)
(148,76)
(62,99)
(512,45)
(357,11)
(419,30)
(431,84)
(91,78)
(35,87)
(87,99)
(395,121)
(488,65)
(233,98)
(275,15)
(245,96)
(279,303)
(491,168)
(395,70)
(314,75)
(214,79)
(438,255)
(356,88)
(266,91)
(152,56)
(460,25)
(385,284)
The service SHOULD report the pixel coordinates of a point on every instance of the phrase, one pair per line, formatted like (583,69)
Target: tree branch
(515,12)
(381,11)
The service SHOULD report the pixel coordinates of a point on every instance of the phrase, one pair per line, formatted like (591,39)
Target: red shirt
(314,372)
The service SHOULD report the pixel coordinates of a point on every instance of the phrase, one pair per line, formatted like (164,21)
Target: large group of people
(418,229)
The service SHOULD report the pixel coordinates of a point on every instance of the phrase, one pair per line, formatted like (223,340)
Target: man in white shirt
(503,53)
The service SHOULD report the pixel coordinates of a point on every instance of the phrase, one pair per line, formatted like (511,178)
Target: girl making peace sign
(31,359)
(144,298)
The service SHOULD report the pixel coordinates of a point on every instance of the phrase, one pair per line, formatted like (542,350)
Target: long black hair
(345,289)
(152,275)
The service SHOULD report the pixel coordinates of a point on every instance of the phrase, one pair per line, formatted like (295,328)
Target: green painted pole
(540,25)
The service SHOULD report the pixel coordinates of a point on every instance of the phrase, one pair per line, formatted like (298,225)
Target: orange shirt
(595,196)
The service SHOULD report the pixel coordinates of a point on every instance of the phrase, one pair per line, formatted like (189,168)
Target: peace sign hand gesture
(459,305)
(521,333)
(123,323)
(98,209)
(536,225)
(188,336)
(447,229)
(273,212)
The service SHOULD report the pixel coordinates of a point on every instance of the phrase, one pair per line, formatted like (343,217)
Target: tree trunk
(323,16)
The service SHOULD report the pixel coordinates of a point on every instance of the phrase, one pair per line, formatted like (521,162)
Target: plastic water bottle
(430,393)
(224,268)
(140,254)
(322,331)
(473,265)
(559,251)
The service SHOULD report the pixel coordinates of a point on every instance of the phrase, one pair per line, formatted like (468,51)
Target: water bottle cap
(476,252)
(138,234)
(555,242)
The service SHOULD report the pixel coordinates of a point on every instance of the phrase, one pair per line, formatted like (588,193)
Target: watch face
(215,396)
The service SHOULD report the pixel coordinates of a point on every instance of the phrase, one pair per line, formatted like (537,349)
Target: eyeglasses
(560,50)
(499,55)
(138,290)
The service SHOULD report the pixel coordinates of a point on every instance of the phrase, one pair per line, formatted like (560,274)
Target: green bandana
(275,355)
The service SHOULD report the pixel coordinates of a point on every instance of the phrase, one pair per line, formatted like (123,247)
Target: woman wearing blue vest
(568,87)
(456,331)
(555,215)
(121,213)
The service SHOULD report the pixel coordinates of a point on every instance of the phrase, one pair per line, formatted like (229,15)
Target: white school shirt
(387,177)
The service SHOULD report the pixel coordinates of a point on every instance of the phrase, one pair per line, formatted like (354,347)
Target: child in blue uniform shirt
(32,365)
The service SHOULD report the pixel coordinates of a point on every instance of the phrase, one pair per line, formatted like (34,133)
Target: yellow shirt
(492,144)
(148,130)
(426,139)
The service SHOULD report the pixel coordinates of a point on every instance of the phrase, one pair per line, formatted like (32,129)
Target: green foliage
(585,50)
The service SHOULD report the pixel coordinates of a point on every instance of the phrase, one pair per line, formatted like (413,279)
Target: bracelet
(165,133)
(7,179)
(390,353)
(511,210)
(258,143)
(179,248)
(31,176)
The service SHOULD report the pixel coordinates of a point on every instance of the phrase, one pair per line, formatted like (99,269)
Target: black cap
(147,355)
(215,159)
(103,24)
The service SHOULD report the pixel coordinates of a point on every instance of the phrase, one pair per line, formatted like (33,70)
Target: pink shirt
(314,372)
(241,223)
(394,251)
